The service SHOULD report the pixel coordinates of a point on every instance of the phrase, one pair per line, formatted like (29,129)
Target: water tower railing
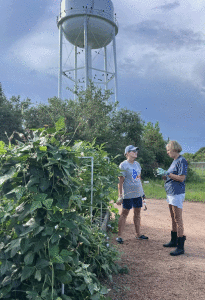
(94,12)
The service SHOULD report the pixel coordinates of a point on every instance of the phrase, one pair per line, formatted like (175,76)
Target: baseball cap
(130,148)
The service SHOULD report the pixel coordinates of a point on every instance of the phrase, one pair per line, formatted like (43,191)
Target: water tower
(89,25)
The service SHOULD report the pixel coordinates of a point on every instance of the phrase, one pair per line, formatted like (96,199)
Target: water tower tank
(101,21)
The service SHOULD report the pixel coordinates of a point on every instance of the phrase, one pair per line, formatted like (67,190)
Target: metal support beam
(76,71)
(92,171)
(105,67)
(115,64)
(60,61)
(86,50)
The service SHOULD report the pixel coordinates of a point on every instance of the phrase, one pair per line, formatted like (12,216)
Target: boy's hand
(119,200)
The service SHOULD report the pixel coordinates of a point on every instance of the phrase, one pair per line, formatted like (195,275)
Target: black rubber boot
(180,247)
(173,242)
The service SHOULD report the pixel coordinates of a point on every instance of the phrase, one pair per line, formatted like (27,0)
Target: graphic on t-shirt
(134,174)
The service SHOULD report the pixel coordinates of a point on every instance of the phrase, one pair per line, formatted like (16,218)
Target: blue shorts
(133,202)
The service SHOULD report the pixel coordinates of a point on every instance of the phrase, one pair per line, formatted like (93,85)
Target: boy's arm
(120,184)
(120,198)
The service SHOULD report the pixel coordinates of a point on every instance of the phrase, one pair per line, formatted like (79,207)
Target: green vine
(46,238)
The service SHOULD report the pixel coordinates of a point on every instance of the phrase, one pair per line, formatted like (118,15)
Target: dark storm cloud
(168,6)
(157,34)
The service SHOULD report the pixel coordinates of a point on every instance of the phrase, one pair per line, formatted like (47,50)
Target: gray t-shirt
(132,185)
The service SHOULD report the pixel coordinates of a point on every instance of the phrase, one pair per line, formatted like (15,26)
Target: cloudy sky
(160,55)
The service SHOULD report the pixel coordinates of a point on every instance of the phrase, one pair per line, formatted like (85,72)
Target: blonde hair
(174,146)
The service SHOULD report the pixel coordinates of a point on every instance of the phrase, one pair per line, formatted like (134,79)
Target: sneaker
(119,240)
(142,237)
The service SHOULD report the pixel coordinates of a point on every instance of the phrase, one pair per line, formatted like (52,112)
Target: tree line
(92,117)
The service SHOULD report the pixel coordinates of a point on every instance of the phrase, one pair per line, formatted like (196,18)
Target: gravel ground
(153,273)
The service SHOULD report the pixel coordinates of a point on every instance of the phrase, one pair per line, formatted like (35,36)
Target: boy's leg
(122,220)
(136,219)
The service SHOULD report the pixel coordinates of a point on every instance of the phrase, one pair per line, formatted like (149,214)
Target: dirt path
(154,274)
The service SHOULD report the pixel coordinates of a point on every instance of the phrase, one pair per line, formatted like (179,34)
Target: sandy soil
(153,273)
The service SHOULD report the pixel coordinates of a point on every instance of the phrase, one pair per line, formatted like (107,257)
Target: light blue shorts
(176,200)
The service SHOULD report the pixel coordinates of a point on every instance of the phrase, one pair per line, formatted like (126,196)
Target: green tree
(11,115)
(88,117)
(199,155)
(154,148)
(126,129)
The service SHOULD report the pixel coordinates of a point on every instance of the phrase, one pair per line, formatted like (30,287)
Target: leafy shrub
(192,176)
(46,239)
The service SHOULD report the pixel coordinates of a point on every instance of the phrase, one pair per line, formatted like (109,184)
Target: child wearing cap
(130,183)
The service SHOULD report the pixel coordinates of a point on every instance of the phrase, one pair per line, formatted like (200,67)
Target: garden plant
(46,235)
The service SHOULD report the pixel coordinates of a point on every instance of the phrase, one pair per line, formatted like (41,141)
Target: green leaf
(65,254)
(55,237)
(42,263)
(82,287)
(57,259)
(2,150)
(95,297)
(48,231)
(27,272)
(103,290)
(5,266)
(32,181)
(40,197)
(19,191)
(43,148)
(69,224)
(7,176)
(64,276)
(87,279)
(45,293)
(44,184)
(5,291)
(32,295)
(25,245)
(14,244)
(81,238)
(60,124)
(6,281)
(35,205)
(38,275)
(55,217)
(48,203)
(91,288)
(28,259)
(25,212)
(38,230)
(53,250)
(14,251)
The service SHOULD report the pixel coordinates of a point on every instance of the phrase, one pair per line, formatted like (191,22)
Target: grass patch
(155,189)
(195,191)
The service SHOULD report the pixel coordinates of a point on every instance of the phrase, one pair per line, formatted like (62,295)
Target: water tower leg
(89,63)
(60,61)
(76,72)
(115,65)
(105,67)
(86,51)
